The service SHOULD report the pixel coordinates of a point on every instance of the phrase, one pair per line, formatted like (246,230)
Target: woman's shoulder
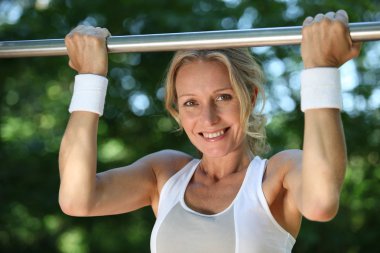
(168,162)
(171,157)
(279,166)
(285,158)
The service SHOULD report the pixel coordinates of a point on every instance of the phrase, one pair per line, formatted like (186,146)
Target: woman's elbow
(322,211)
(73,209)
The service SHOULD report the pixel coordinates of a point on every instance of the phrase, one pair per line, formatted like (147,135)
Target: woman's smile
(214,135)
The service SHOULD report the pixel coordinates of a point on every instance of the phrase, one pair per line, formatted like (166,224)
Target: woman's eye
(224,97)
(190,103)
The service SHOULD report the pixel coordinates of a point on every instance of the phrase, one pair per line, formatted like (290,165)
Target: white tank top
(246,226)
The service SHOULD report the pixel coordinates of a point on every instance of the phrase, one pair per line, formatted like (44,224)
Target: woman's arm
(315,187)
(86,48)
(82,191)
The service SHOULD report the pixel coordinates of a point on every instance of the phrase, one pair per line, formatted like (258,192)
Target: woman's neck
(219,167)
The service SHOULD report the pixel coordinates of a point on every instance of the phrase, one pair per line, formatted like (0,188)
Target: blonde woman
(231,199)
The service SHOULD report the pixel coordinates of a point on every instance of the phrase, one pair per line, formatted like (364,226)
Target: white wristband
(89,93)
(320,88)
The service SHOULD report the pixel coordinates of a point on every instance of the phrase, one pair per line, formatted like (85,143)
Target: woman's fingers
(330,15)
(308,21)
(342,16)
(319,17)
(87,49)
(90,30)
(326,40)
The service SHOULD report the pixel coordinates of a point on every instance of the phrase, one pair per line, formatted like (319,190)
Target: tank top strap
(254,197)
(256,170)
(254,177)
(171,191)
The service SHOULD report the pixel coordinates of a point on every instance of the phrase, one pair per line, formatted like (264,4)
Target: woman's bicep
(134,186)
(124,189)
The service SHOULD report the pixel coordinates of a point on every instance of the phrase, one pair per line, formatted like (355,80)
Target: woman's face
(208,108)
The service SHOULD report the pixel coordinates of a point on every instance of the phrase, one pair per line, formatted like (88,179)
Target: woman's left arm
(326,45)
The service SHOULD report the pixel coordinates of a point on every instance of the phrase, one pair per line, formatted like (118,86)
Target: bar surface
(366,31)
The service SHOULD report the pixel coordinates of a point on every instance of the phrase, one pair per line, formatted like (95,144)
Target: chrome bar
(365,31)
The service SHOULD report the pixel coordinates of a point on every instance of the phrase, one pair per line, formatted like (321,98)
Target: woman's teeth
(213,135)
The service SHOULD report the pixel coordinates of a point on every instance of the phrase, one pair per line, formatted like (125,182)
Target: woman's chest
(212,198)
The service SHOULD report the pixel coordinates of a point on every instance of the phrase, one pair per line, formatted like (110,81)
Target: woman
(230,200)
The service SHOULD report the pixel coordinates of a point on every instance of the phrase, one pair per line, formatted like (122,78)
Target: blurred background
(35,94)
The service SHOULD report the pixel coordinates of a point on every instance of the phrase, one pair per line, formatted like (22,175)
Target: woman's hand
(86,47)
(326,40)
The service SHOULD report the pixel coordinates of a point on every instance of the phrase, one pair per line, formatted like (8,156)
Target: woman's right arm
(82,191)
(85,193)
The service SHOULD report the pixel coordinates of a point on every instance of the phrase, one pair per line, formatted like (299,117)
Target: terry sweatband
(320,88)
(89,93)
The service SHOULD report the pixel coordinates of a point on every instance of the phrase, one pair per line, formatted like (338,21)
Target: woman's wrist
(320,88)
(89,93)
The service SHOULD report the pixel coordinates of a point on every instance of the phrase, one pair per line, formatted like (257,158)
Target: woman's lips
(214,135)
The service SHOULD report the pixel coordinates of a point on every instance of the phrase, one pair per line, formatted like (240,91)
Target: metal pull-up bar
(191,40)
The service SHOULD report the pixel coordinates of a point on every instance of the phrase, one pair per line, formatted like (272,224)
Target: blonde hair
(246,80)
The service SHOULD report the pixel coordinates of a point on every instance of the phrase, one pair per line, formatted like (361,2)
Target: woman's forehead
(202,73)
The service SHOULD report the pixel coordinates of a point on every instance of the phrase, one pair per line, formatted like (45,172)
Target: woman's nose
(210,114)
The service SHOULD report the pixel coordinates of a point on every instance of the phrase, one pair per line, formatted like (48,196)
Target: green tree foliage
(35,93)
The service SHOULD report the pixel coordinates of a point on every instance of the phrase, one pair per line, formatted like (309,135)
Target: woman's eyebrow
(186,95)
(223,89)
